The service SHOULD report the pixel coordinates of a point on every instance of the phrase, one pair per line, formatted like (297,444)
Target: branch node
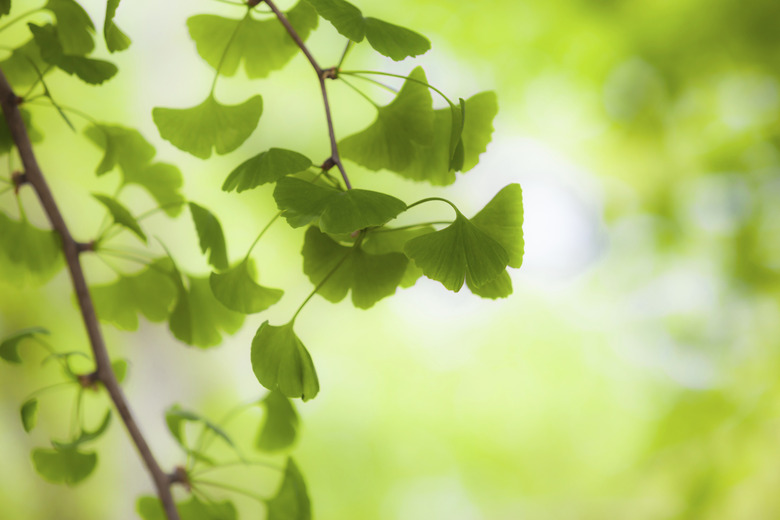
(328,164)
(179,476)
(18,100)
(331,73)
(19,179)
(82,247)
(89,381)
(253,3)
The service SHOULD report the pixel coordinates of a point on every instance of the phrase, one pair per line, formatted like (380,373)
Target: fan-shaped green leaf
(262,45)
(502,220)
(210,235)
(208,126)
(499,287)
(116,40)
(74,27)
(123,147)
(480,111)
(390,140)
(28,254)
(302,202)
(85,435)
(280,361)
(291,501)
(66,466)
(163,182)
(9,347)
(388,240)
(121,215)
(280,426)
(345,17)
(150,508)
(268,166)
(89,70)
(29,414)
(237,290)
(24,64)
(457,250)
(175,417)
(198,316)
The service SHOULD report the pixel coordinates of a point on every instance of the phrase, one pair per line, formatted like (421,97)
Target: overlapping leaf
(262,45)
(28,254)
(390,40)
(502,220)
(291,501)
(499,287)
(210,235)
(63,466)
(116,40)
(150,508)
(9,347)
(85,435)
(237,290)
(90,70)
(121,215)
(7,141)
(389,240)
(370,277)
(23,66)
(280,426)
(210,125)
(280,361)
(176,417)
(74,27)
(268,166)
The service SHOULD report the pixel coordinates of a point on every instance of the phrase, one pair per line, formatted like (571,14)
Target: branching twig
(71,250)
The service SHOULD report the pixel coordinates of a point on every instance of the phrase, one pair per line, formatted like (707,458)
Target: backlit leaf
(24,64)
(119,367)
(163,182)
(499,287)
(63,466)
(74,27)
(208,126)
(5,7)
(175,417)
(268,166)
(9,347)
(210,235)
(291,501)
(6,140)
(150,508)
(29,414)
(391,241)
(280,361)
(262,45)
(198,317)
(280,426)
(121,215)
(502,220)
(481,109)
(237,290)
(28,254)
(90,70)
(85,435)
(301,201)
(345,17)
(116,40)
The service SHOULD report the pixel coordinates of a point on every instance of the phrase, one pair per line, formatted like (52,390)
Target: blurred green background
(633,374)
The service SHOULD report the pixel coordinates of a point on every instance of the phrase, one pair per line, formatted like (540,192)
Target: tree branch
(71,250)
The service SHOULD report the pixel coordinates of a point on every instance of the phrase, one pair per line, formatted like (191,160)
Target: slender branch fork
(72,249)
(322,75)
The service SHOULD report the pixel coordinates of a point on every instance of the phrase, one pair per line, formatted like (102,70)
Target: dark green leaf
(210,235)
(291,501)
(302,202)
(86,435)
(121,215)
(5,7)
(119,367)
(175,417)
(499,287)
(390,141)
(237,290)
(28,254)
(68,466)
(9,347)
(457,250)
(502,220)
(279,360)
(208,126)
(280,427)
(24,64)
(150,508)
(150,292)
(29,413)
(265,167)
(116,40)
(370,277)
(89,70)
(392,241)
(262,45)
(74,27)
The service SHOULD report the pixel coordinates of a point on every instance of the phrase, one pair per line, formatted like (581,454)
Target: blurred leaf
(89,70)
(29,414)
(116,40)
(198,316)
(210,235)
(86,435)
(6,140)
(390,140)
(74,27)
(279,360)
(121,215)
(175,417)
(265,167)
(499,287)
(502,220)
(291,501)
(28,253)
(9,347)
(262,45)
(21,68)
(370,277)
(119,366)
(237,290)
(280,426)
(150,292)
(123,147)
(208,126)
(150,508)
(5,7)
(63,466)
(457,250)
(163,182)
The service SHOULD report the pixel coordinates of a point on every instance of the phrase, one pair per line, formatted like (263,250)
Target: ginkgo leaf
(280,426)
(116,40)
(262,45)
(150,292)
(389,240)
(499,287)
(28,254)
(390,40)
(23,66)
(210,235)
(63,466)
(301,201)
(291,501)
(9,347)
(210,125)
(268,166)
(150,508)
(175,417)
(85,435)
(237,290)
(480,110)
(29,414)
(121,215)
(502,220)
(119,366)
(370,277)
(90,70)
(198,317)
(457,250)
(163,182)
(123,147)
(74,27)
(280,361)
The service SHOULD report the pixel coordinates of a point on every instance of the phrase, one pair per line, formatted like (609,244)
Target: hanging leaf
(280,426)
(389,240)
(499,287)
(74,27)
(175,417)
(237,290)
(85,435)
(24,64)
(88,70)
(29,414)
(208,126)
(28,254)
(265,167)
(280,361)
(291,501)
(9,347)
(150,508)
(262,45)
(116,40)
(502,220)
(210,234)
(121,215)
(480,111)
(369,277)
(198,317)
(63,466)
